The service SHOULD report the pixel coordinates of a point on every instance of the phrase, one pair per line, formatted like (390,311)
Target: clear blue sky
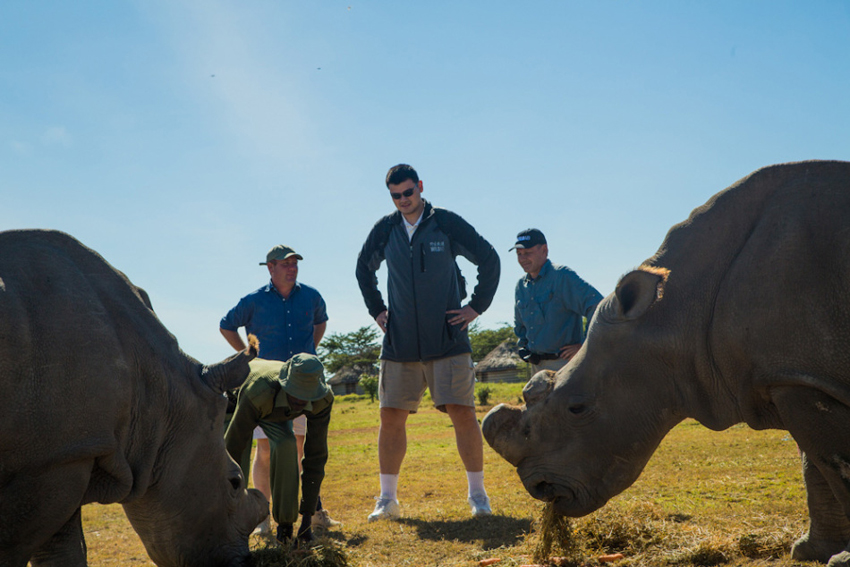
(182,140)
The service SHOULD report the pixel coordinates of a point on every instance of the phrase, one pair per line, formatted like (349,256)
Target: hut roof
(503,357)
(350,374)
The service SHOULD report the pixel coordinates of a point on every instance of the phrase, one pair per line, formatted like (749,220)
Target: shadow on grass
(493,531)
(355,540)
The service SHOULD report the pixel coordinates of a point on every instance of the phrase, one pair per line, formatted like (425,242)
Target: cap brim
(299,256)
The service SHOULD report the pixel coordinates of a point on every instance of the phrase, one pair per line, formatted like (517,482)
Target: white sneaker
(264,528)
(322,520)
(385,509)
(480,505)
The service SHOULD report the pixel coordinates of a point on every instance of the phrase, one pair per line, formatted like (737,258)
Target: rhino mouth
(568,499)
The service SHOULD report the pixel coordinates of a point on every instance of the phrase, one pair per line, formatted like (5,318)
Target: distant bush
(483,394)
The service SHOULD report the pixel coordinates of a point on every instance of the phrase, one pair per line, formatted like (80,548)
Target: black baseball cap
(529,238)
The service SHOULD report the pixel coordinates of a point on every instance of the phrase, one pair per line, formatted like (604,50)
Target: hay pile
(326,554)
(645,535)
(556,537)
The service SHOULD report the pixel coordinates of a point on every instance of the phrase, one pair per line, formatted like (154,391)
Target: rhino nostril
(236,482)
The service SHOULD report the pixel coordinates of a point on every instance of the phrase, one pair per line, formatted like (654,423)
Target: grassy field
(706,498)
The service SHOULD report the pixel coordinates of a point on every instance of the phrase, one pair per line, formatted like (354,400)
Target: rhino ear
(638,290)
(231,372)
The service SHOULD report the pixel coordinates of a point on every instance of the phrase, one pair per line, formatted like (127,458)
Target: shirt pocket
(532,315)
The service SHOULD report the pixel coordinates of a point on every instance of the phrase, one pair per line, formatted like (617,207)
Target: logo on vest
(437,246)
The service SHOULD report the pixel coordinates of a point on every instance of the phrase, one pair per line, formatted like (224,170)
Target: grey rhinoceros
(99,404)
(743,315)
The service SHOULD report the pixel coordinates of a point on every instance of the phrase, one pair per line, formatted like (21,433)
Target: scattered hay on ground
(647,536)
(555,533)
(326,554)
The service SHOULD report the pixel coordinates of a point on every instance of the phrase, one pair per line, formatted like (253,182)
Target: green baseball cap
(303,377)
(280,252)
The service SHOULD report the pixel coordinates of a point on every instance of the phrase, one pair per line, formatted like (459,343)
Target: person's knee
(463,418)
(393,418)
(465,413)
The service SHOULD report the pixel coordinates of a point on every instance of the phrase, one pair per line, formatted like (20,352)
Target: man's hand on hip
(569,351)
(381,320)
(465,315)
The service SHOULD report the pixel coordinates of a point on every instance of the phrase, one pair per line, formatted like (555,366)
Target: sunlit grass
(706,498)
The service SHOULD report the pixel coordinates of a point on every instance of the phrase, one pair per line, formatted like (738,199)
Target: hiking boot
(284,534)
(323,521)
(480,505)
(385,509)
(264,528)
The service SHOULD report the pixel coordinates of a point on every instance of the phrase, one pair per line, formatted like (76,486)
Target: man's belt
(535,357)
(547,356)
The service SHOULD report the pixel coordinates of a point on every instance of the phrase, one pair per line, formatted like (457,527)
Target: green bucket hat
(303,377)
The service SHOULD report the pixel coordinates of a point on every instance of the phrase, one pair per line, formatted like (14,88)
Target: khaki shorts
(450,380)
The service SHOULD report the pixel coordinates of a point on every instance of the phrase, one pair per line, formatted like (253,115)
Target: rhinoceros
(742,315)
(99,404)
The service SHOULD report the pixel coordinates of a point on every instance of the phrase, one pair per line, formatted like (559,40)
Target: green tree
(360,348)
(485,340)
(370,385)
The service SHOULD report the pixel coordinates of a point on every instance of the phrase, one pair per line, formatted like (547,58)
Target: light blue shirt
(284,326)
(548,309)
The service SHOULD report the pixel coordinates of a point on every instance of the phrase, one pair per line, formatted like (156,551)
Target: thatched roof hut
(502,364)
(346,380)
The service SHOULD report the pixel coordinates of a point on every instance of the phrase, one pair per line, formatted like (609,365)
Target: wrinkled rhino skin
(99,404)
(743,315)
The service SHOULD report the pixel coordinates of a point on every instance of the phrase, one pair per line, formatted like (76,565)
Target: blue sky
(183,139)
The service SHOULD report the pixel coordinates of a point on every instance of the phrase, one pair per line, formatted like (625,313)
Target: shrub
(483,394)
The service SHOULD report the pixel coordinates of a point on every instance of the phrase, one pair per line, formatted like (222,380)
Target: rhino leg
(38,512)
(817,421)
(829,529)
(66,547)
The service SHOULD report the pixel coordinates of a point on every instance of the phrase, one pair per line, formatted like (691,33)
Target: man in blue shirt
(551,302)
(288,318)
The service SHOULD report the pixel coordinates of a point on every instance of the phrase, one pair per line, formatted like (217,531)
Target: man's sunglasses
(405,193)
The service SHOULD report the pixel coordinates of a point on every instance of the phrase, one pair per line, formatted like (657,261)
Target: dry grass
(732,498)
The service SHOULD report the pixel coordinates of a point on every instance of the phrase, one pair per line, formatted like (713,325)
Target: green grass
(706,498)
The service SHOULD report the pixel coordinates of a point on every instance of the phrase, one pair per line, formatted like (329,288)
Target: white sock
(476,482)
(389,486)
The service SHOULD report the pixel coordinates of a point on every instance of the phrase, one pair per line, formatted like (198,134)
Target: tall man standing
(550,303)
(288,317)
(425,342)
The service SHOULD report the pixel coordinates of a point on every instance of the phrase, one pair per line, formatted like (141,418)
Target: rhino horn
(231,372)
(501,429)
(538,387)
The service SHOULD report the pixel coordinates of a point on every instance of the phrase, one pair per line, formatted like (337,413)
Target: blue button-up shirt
(284,326)
(549,308)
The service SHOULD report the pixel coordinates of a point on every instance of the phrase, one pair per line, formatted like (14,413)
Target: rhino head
(586,433)
(196,510)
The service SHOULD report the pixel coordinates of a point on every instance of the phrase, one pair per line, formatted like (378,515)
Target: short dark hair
(401,173)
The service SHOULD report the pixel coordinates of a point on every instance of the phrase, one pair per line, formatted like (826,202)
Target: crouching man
(278,392)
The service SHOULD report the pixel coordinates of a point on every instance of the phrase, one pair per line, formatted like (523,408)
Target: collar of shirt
(270,288)
(547,267)
(411,228)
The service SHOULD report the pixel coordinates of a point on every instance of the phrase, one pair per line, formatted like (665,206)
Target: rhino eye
(577,409)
